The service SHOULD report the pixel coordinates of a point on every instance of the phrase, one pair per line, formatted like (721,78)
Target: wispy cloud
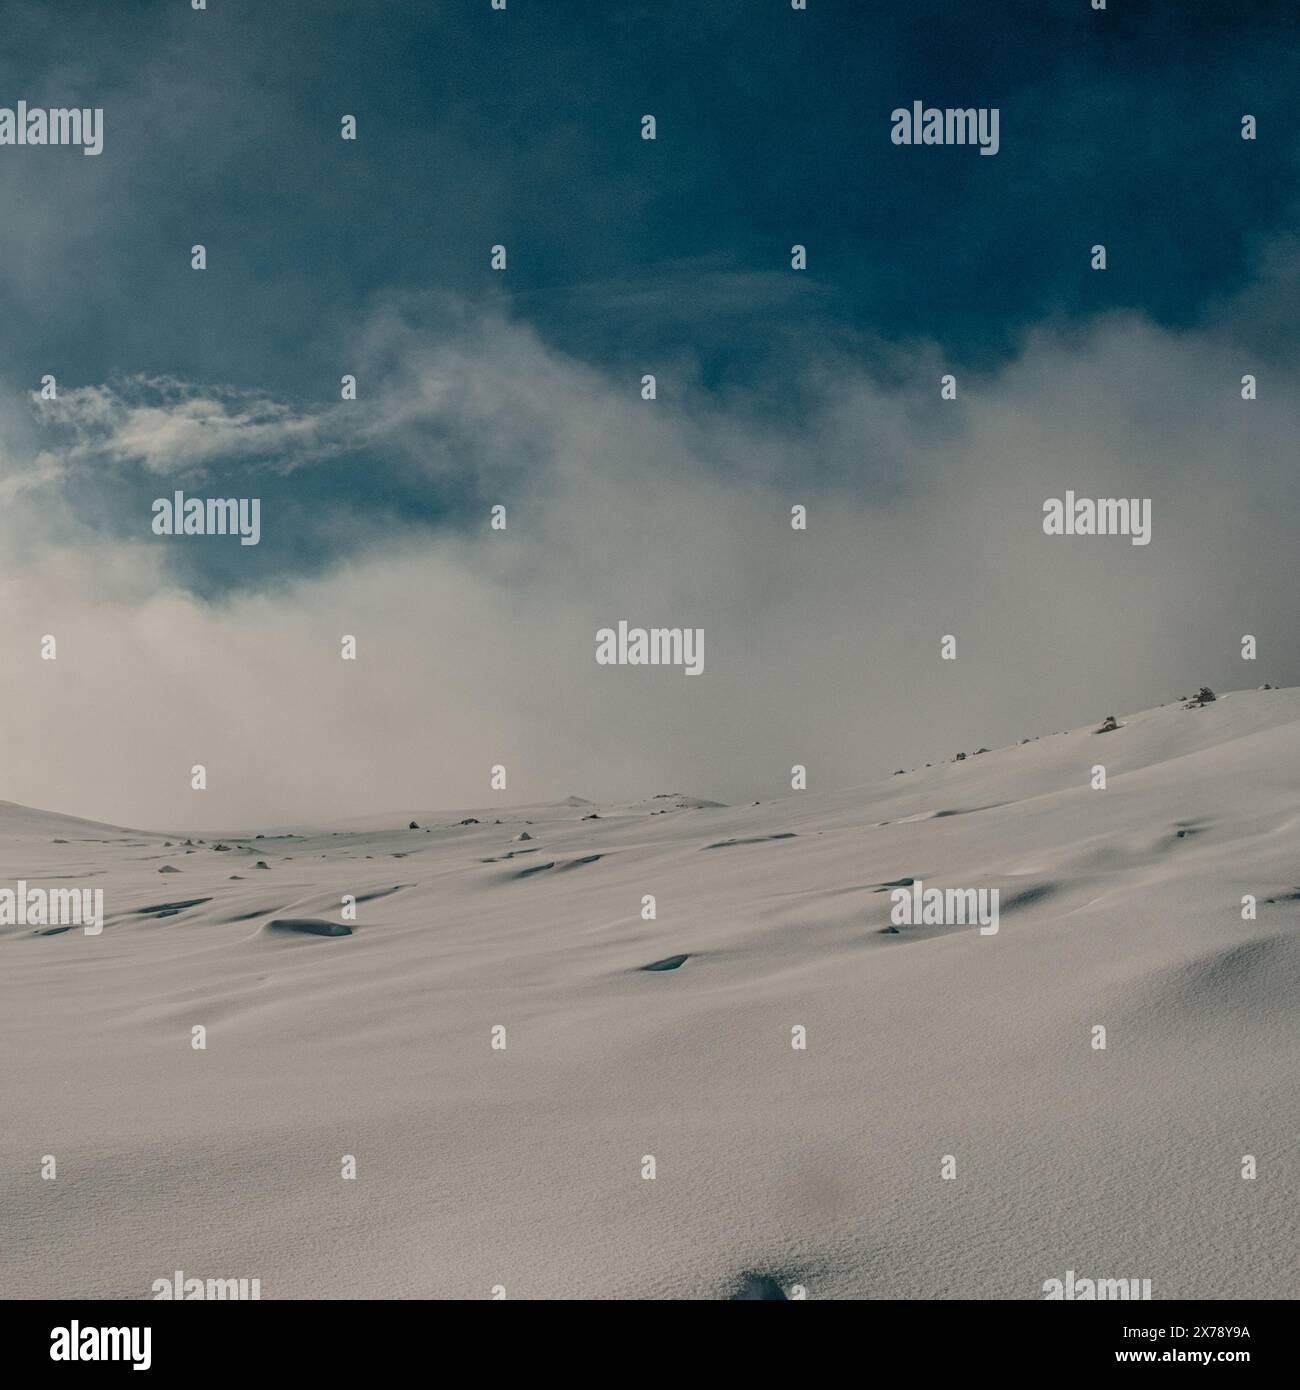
(171,427)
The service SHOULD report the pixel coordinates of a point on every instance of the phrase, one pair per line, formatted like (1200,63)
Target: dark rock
(669,963)
(309,926)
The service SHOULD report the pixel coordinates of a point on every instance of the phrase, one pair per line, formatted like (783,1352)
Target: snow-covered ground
(820,1168)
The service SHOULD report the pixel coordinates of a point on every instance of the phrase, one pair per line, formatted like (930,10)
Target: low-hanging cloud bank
(477,647)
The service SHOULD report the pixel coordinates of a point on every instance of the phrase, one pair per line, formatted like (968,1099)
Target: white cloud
(169,427)
(821,648)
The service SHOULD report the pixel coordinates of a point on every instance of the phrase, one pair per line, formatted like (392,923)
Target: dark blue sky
(477,127)
(523,127)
